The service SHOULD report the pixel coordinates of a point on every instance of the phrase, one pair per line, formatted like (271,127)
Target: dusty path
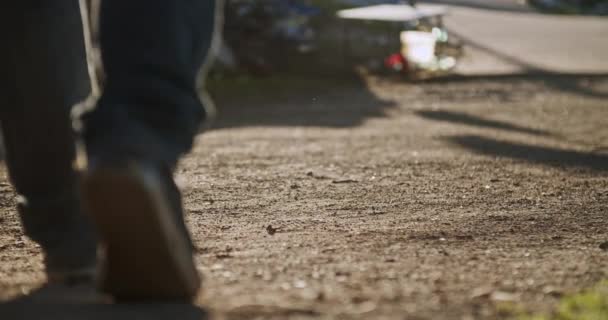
(388,199)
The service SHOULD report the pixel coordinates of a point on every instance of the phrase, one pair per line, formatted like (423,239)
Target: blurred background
(442,159)
(417,39)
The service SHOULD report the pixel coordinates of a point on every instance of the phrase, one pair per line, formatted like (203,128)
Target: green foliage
(590,304)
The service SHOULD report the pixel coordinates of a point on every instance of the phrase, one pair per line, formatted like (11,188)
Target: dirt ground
(373,198)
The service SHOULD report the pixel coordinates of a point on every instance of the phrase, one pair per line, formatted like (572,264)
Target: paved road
(505,5)
(504,36)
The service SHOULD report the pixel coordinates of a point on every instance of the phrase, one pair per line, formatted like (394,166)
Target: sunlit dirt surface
(373,198)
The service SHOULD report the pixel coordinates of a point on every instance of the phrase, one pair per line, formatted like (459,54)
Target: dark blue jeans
(151,50)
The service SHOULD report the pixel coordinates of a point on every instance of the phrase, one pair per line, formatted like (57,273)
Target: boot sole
(147,257)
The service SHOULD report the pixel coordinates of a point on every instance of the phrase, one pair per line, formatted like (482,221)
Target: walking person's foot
(147,249)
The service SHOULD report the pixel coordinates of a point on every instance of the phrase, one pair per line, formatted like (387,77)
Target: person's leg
(146,118)
(44,73)
(152,51)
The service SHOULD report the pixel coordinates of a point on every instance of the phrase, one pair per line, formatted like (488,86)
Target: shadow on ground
(22,310)
(595,161)
(338,101)
(84,302)
(579,84)
(463,118)
(534,154)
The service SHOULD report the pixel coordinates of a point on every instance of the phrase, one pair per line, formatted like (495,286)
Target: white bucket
(418,47)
